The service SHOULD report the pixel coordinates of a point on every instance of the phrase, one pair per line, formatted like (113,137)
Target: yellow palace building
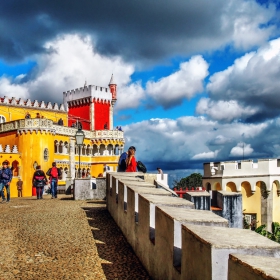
(38,133)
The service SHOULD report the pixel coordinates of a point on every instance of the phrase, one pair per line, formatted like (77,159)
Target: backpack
(54,172)
(141,166)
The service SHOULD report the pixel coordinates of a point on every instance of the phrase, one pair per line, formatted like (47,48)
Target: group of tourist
(127,161)
(40,180)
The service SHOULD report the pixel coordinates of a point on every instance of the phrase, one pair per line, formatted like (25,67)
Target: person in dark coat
(39,181)
(6,176)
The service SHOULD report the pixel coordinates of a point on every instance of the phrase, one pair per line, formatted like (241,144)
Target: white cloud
(247,19)
(185,83)
(71,60)
(7,88)
(224,110)
(206,155)
(178,143)
(241,149)
(247,90)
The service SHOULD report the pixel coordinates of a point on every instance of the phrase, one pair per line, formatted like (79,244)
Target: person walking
(6,176)
(19,187)
(39,181)
(55,174)
(131,164)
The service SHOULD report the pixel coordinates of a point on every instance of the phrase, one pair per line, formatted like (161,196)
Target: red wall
(101,113)
(81,111)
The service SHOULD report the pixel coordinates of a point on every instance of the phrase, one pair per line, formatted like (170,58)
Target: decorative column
(71,172)
(111,125)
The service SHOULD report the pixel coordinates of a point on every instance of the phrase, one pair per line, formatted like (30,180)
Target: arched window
(2,119)
(15,168)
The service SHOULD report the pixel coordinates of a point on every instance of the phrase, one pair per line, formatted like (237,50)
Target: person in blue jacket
(6,176)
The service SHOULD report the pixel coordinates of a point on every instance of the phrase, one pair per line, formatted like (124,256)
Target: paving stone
(63,239)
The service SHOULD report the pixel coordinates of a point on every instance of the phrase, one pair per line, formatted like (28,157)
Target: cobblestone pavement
(63,239)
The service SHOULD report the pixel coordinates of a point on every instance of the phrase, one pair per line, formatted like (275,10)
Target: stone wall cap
(259,265)
(192,215)
(232,238)
(227,193)
(137,183)
(205,193)
(148,190)
(167,200)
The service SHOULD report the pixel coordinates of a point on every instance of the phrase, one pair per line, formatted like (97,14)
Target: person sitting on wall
(106,126)
(27,115)
(120,128)
(160,172)
(38,116)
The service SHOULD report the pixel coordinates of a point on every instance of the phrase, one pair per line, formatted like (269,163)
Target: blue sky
(198,80)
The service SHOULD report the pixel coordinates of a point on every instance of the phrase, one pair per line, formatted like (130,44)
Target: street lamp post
(80,136)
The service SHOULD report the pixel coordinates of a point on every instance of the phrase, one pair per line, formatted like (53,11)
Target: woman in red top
(131,164)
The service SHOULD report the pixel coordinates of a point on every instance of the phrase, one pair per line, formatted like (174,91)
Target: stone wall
(175,241)
(89,189)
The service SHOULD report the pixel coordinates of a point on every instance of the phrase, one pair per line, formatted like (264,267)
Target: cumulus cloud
(248,90)
(138,31)
(185,83)
(187,142)
(70,61)
(240,150)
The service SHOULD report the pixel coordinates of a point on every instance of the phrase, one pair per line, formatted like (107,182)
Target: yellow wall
(12,113)
(32,147)
(276,204)
(251,203)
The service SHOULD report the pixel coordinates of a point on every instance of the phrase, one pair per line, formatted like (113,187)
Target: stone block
(168,239)
(205,250)
(248,267)
(146,223)
(201,200)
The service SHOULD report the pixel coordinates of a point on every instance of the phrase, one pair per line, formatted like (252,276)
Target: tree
(193,180)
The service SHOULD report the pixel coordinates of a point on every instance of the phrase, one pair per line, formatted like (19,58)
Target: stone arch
(117,150)
(56,146)
(95,150)
(60,147)
(247,188)
(15,168)
(88,150)
(251,201)
(110,149)
(208,186)
(231,187)
(276,201)
(83,150)
(65,147)
(216,187)
(102,149)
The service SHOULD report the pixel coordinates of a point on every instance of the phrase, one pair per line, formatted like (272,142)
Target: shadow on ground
(119,260)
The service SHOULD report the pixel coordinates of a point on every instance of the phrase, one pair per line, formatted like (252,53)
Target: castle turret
(113,89)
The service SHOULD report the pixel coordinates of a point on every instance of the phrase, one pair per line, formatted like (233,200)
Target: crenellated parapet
(33,104)
(8,149)
(86,94)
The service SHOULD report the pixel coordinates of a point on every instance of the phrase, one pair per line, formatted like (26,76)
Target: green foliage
(261,230)
(274,235)
(194,180)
